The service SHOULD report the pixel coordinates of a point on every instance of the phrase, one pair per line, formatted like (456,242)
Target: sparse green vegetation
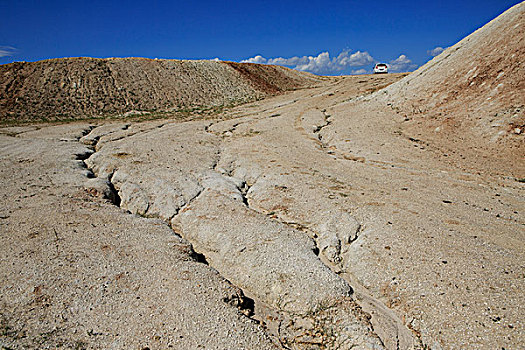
(181,114)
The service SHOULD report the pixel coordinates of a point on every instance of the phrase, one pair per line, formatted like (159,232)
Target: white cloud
(320,64)
(401,64)
(436,51)
(317,64)
(7,51)
(357,59)
(256,59)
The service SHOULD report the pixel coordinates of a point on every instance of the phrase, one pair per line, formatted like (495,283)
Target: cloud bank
(359,62)
(322,63)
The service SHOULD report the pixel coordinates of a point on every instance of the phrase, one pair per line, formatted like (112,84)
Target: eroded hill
(87,87)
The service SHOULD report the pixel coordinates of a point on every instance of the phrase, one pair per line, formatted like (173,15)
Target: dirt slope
(84,87)
(470,100)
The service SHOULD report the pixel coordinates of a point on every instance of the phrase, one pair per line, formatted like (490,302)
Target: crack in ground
(364,299)
(244,190)
(244,193)
(113,195)
(395,327)
(245,304)
(266,314)
(132,133)
(319,128)
(240,301)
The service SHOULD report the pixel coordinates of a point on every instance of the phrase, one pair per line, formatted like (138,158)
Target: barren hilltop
(68,88)
(359,212)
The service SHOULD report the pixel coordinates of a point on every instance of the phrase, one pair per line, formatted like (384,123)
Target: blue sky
(326,37)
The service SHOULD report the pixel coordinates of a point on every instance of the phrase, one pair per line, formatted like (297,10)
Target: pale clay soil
(307,220)
(364,212)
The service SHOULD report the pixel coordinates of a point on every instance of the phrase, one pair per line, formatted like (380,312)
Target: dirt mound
(472,96)
(85,87)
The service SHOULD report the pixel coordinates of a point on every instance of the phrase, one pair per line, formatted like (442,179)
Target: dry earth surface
(332,217)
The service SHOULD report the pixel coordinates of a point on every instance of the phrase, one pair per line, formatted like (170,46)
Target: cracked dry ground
(304,221)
